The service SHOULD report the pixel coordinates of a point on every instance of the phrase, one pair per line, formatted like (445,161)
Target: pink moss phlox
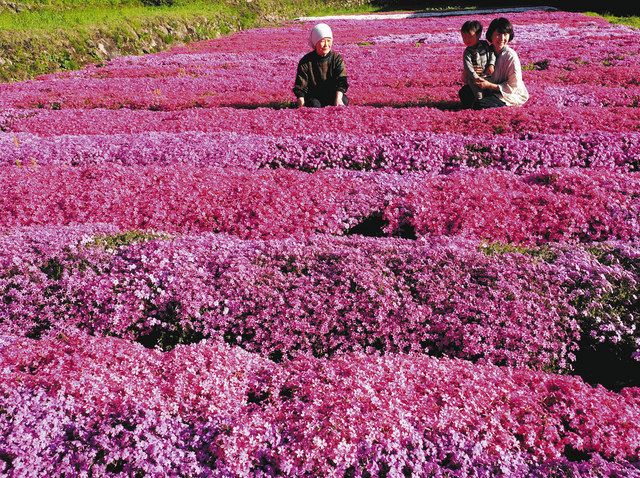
(549,206)
(76,403)
(395,152)
(329,295)
(561,204)
(353,120)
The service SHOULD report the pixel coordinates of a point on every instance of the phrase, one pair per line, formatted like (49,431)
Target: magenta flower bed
(198,280)
(560,205)
(527,307)
(210,410)
(356,120)
(592,205)
(394,153)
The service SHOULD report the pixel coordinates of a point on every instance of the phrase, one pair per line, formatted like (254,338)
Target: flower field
(198,281)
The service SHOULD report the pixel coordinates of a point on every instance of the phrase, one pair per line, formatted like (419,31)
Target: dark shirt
(321,77)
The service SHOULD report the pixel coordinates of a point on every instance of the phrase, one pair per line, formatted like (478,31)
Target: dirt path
(445,13)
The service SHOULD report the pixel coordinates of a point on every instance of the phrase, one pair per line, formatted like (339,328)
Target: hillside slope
(39,36)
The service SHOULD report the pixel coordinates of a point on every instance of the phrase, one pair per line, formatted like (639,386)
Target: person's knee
(466,96)
(482,104)
(489,101)
(313,103)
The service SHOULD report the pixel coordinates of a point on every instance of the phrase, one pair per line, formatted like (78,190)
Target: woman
(505,87)
(321,79)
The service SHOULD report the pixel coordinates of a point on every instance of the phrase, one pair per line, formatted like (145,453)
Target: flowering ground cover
(108,406)
(323,295)
(398,152)
(537,208)
(195,277)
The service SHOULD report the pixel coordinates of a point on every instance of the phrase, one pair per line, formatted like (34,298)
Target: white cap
(320,31)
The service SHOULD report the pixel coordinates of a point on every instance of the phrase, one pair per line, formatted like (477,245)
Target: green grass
(33,4)
(55,19)
(52,15)
(65,15)
(631,21)
(72,14)
(500,248)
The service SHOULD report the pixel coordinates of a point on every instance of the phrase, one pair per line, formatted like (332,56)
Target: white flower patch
(527,34)
(564,96)
(443,37)
(6,340)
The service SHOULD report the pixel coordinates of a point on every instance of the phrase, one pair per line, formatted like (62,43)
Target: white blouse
(508,77)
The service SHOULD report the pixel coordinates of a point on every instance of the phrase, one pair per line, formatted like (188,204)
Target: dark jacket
(321,77)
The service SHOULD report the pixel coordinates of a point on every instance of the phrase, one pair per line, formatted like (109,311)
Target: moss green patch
(499,248)
(27,53)
(50,20)
(116,241)
(609,255)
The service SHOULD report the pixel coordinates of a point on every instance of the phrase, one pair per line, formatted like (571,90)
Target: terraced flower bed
(196,277)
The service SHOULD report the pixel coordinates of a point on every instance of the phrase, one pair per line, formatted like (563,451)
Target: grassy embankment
(631,21)
(42,36)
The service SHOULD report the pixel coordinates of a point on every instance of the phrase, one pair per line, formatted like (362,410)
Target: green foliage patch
(115,241)
(630,20)
(498,248)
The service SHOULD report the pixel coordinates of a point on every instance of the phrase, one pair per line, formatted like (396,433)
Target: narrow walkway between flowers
(444,13)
